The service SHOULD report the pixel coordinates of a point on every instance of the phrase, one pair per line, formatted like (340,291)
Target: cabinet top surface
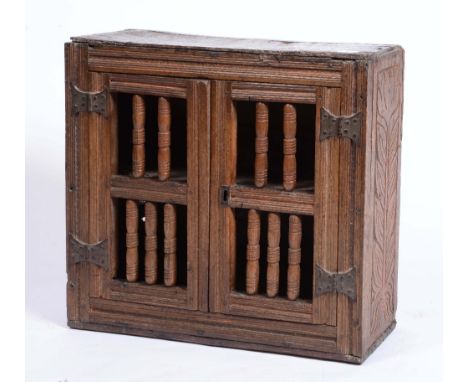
(146,38)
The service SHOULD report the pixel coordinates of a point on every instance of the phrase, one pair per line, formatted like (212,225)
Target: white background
(57,353)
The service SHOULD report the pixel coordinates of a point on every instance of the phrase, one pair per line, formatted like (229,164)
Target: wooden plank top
(147,38)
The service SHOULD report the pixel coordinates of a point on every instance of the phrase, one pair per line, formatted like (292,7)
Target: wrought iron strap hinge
(94,253)
(341,282)
(89,101)
(340,126)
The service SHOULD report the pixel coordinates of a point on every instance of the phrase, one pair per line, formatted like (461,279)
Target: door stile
(348,157)
(198,175)
(327,163)
(222,222)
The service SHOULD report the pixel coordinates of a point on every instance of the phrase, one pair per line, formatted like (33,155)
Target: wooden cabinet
(241,193)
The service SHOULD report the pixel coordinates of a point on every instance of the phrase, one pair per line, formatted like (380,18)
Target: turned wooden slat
(253,252)
(289,147)
(273,255)
(138,157)
(261,145)
(170,245)
(151,245)
(131,217)
(294,257)
(164,138)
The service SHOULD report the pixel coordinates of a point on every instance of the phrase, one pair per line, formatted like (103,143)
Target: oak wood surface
(261,144)
(151,243)
(273,255)
(138,157)
(294,257)
(131,218)
(253,252)
(170,245)
(173,40)
(289,147)
(247,281)
(164,138)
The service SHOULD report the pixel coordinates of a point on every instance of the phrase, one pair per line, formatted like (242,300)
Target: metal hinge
(89,101)
(340,126)
(341,282)
(94,253)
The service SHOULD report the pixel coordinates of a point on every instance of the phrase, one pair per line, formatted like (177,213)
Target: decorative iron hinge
(341,282)
(340,126)
(94,253)
(89,101)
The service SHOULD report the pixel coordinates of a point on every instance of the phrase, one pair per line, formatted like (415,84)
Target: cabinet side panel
(382,197)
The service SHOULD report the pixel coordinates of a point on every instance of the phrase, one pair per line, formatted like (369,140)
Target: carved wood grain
(388,114)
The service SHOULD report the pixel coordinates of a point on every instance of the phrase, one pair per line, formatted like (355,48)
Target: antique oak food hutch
(231,192)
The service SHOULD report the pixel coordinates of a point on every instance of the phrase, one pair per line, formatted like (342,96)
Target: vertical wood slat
(273,254)
(151,262)
(222,171)
(261,144)
(294,257)
(253,252)
(348,173)
(170,245)
(99,177)
(289,147)
(230,178)
(327,161)
(131,218)
(164,138)
(138,155)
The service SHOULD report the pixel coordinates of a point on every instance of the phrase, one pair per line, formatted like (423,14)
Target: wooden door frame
(223,299)
(92,159)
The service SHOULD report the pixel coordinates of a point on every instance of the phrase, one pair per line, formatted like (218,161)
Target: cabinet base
(129,330)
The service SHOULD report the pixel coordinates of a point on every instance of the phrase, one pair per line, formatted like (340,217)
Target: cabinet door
(274,210)
(137,180)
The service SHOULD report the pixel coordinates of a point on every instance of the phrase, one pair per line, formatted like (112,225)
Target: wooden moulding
(148,85)
(149,189)
(254,91)
(270,199)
